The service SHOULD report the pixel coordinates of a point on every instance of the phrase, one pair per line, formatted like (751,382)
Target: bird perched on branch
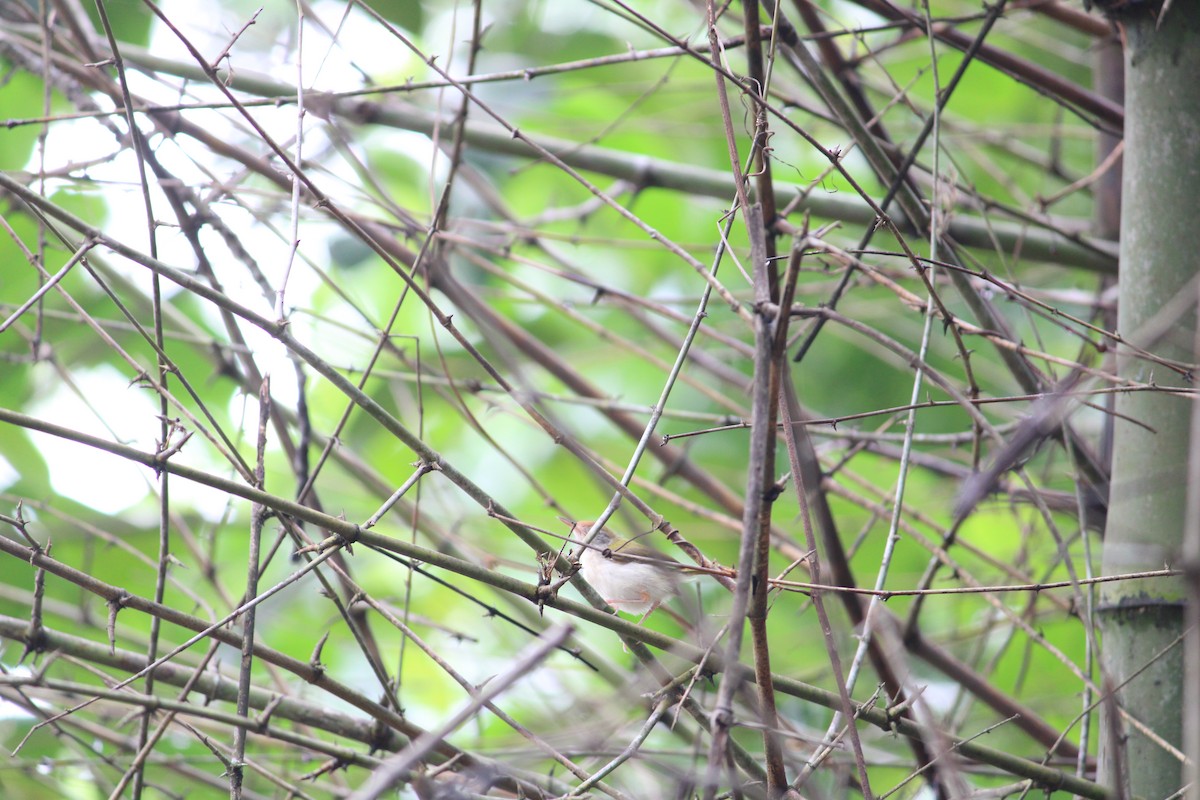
(629,575)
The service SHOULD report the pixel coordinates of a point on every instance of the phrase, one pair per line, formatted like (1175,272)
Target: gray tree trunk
(1142,621)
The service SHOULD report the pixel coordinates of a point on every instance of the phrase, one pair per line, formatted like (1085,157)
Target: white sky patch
(372,48)
(12,710)
(110,484)
(8,473)
(852,15)
(104,482)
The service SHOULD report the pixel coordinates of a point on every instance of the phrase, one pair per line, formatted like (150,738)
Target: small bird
(630,576)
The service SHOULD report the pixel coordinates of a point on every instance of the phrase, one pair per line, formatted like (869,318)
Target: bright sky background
(102,402)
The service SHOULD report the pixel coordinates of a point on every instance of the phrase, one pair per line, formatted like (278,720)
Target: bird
(628,575)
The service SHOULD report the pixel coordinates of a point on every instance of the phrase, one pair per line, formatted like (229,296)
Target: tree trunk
(1160,251)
